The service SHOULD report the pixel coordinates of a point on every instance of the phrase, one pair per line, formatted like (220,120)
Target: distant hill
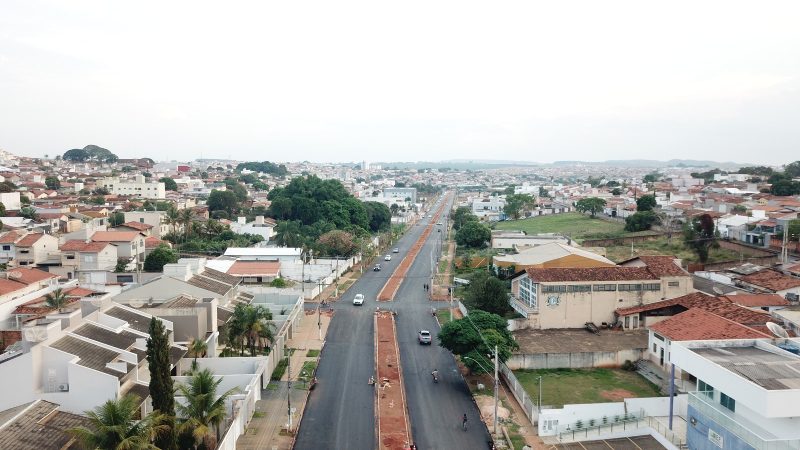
(477,164)
(656,164)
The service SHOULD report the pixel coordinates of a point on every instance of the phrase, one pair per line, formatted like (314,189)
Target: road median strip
(391,409)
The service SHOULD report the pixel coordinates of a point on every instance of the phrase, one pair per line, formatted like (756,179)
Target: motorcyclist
(435,375)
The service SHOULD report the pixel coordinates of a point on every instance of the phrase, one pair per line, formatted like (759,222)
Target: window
(527,292)
(141,219)
(124,278)
(604,287)
(651,286)
(6,247)
(727,402)
(658,336)
(555,288)
(579,288)
(673,284)
(654,346)
(630,287)
(705,388)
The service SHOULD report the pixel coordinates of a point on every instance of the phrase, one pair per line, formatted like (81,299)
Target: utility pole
(451,288)
(496,385)
(337,277)
(539,400)
(289,393)
(303,275)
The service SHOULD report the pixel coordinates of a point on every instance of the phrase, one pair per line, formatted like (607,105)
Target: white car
(359,299)
(387,258)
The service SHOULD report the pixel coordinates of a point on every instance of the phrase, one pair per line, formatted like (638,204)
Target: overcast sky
(403,81)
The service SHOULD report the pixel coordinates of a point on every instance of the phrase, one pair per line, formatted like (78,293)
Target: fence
(577,360)
(621,427)
(524,400)
(610,242)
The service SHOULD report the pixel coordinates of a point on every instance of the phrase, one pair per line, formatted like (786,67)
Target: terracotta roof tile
(9,238)
(590,274)
(137,226)
(9,286)
(29,239)
(698,324)
(716,305)
(115,236)
(249,268)
(29,275)
(153,242)
(772,280)
(81,246)
(757,300)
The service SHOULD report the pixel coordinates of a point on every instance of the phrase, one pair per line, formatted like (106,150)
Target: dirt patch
(393,283)
(617,395)
(394,432)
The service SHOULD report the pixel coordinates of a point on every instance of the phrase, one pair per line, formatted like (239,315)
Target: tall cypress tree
(162,390)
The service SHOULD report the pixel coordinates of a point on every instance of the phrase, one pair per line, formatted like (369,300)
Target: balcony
(756,436)
(522,307)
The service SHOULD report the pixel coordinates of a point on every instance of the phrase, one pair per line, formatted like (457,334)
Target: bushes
(280,369)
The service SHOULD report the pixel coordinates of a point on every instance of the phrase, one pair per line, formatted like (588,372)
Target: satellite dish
(136,303)
(777,330)
(718,291)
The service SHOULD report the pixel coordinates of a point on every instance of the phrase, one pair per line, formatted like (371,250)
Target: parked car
(359,299)
(387,258)
(377,268)
(395,250)
(424,337)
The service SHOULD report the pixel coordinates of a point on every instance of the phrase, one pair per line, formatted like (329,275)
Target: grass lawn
(572,386)
(575,225)
(661,247)
(313,353)
(443,315)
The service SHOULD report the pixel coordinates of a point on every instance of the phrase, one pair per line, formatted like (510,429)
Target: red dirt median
(394,431)
(389,290)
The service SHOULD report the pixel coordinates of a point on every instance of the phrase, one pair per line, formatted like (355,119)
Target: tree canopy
(468,338)
(516,203)
(89,153)
(223,201)
(592,205)
(161,386)
(160,256)
(646,203)
(700,235)
(487,293)
(52,182)
(169,183)
(641,221)
(461,216)
(264,167)
(473,234)
(337,243)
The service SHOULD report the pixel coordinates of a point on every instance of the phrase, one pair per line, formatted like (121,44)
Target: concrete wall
(705,433)
(580,360)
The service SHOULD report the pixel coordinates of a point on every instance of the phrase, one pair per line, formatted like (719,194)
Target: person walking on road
(464,422)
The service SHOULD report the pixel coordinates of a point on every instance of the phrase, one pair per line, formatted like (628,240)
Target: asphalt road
(340,413)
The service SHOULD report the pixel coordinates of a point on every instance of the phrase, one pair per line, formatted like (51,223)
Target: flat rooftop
(628,443)
(578,340)
(772,371)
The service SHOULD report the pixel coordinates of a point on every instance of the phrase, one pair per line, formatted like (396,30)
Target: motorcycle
(435,376)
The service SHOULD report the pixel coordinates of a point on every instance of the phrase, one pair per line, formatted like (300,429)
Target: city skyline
(422,82)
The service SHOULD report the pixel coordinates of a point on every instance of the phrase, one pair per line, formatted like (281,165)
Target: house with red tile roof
(34,249)
(83,260)
(256,272)
(762,302)
(769,280)
(8,247)
(130,244)
(143,228)
(575,297)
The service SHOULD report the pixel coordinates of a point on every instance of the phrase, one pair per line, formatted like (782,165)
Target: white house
(260,226)
(138,187)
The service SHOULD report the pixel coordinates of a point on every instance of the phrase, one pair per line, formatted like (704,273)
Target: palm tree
(173,217)
(56,299)
(186,218)
(197,348)
(113,426)
(203,409)
(251,324)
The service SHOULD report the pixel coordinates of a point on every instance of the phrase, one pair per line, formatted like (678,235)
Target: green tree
(113,426)
(240,192)
(288,234)
(509,190)
(186,219)
(378,215)
(169,183)
(740,209)
(516,203)
(29,213)
(793,233)
(652,177)
(487,293)
(249,326)
(475,336)
(56,299)
(616,192)
(792,170)
(646,203)
(52,182)
(160,256)
(76,155)
(7,186)
(461,216)
(2,209)
(116,219)
(394,208)
(700,235)
(785,187)
(337,243)
(592,205)
(197,349)
(473,234)
(223,201)
(641,221)
(162,390)
(204,409)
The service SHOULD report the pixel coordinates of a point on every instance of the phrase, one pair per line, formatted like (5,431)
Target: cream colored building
(552,255)
(138,187)
(573,297)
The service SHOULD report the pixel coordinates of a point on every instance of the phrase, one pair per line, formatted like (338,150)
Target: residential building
(261,226)
(137,187)
(130,244)
(771,281)
(34,249)
(518,240)
(156,219)
(10,200)
(488,208)
(401,193)
(748,392)
(8,247)
(144,228)
(250,272)
(282,254)
(83,260)
(575,297)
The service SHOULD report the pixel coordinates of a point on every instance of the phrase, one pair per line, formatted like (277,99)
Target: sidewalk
(267,430)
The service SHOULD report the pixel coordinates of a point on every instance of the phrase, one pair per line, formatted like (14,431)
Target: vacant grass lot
(573,386)
(575,225)
(661,247)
